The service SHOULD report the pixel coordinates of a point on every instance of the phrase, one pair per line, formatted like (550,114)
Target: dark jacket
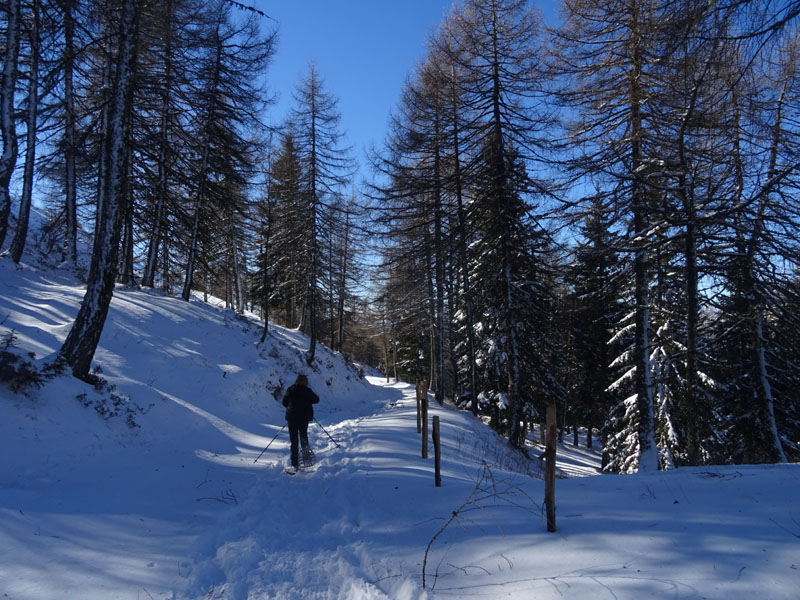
(298,401)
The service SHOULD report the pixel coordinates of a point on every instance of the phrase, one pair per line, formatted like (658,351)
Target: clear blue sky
(364,50)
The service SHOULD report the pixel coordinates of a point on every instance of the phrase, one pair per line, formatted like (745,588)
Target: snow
(177,508)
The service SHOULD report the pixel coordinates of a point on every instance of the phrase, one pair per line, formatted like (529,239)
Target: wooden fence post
(424,403)
(550,468)
(437,451)
(419,406)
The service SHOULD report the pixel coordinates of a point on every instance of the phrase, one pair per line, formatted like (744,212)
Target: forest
(601,215)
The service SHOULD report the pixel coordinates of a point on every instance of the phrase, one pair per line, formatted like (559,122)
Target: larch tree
(8,89)
(229,99)
(31,113)
(81,343)
(165,90)
(325,169)
(289,261)
(69,140)
(760,257)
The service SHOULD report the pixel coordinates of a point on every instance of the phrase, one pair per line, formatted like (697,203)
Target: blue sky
(364,50)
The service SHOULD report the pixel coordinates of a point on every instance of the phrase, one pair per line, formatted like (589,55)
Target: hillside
(164,500)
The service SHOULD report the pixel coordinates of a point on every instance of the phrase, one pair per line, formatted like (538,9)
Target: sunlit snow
(178,507)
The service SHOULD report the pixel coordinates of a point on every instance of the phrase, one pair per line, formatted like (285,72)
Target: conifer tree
(594,277)
(761,236)
(229,99)
(8,89)
(501,55)
(81,342)
(31,125)
(325,168)
(290,253)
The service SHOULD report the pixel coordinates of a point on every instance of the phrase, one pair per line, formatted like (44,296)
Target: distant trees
(654,92)
(178,89)
(131,142)
(673,184)
(458,205)
(287,265)
(603,216)
(593,280)
(309,239)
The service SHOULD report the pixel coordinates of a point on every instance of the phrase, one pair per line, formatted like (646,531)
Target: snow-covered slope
(176,507)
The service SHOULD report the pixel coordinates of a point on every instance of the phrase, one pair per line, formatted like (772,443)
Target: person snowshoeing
(298,401)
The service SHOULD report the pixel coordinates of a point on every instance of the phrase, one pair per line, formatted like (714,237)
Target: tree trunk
(343,279)
(765,392)
(126,276)
(331,291)
(431,302)
(21,232)
(765,408)
(70,149)
(312,291)
(238,280)
(692,302)
(159,218)
(107,83)
(266,289)
(81,343)
(203,173)
(439,251)
(466,295)
(166,277)
(648,452)
(192,259)
(8,160)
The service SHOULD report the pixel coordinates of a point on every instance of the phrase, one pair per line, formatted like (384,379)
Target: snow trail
(310,535)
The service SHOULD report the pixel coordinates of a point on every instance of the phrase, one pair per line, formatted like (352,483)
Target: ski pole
(270,443)
(326,433)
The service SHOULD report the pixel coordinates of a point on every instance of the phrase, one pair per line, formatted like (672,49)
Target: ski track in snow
(178,509)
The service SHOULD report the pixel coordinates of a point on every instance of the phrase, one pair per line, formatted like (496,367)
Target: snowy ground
(177,508)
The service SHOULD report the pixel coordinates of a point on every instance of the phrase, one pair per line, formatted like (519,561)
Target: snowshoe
(308,458)
(291,470)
